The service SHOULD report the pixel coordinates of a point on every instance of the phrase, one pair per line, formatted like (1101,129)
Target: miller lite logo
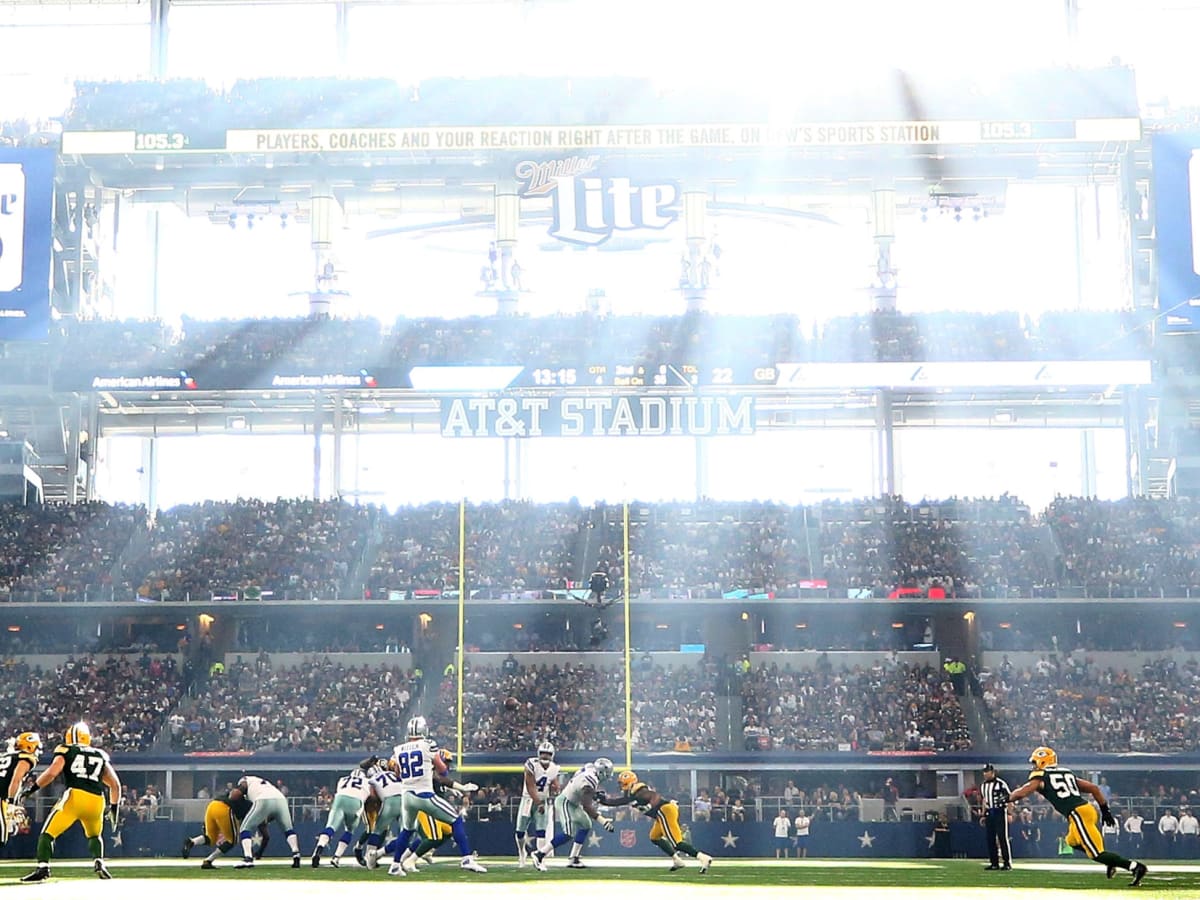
(589,207)
(628,837)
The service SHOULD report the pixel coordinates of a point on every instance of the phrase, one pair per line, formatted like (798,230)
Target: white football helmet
(416,727)
(604,768)
(546,749)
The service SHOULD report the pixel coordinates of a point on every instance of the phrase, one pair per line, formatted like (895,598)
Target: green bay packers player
(665,833)
(222,820)
(16,763)
(1062,787)
(87,775)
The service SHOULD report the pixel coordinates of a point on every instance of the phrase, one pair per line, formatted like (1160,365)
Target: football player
(574,812)
(346,810)
(541,785)
(267,804)
(387,787)
(87,776)
(16,762)
(415,762)
(1062,787)
(221,825)
(665,833)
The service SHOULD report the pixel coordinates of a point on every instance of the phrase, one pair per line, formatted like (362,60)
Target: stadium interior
(777,442)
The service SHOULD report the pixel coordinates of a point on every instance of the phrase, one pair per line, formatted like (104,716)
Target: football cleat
(28,742)
(246,863)
(1139,872)
(575,863)
(397,870)
(360,855)
(316,860)
(471,864)
(207,864)
(627,780)
(1109,872)
(705,861)
(296,862)
(79,733)
(539,862)
(186,850)
(101,870)
(676,863)
(372,858)
(422,861)
(410,864)
(335,861)
(41,873)
(1043,758)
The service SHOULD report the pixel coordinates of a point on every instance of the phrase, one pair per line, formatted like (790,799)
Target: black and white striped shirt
(995,792)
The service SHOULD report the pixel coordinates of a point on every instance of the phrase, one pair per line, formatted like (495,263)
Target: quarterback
(665,832)
(1062,787)
(540,787)
(87,775)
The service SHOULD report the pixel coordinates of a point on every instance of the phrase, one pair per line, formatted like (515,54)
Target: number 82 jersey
(413,762)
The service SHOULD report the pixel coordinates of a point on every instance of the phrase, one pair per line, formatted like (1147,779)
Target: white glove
(607,823)
(467,788)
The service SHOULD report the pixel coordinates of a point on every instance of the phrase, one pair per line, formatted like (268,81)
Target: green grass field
(769,879)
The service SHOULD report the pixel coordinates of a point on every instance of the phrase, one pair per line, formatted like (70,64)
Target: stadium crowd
(128,699)
(191,107)
(231,353)
(870,548)
(1073,704)
(314,706)
(883,707)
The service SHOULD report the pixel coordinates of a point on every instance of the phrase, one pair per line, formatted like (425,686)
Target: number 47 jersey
(414,764)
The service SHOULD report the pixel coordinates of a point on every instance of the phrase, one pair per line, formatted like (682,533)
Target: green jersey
(83,767)
(1058,785)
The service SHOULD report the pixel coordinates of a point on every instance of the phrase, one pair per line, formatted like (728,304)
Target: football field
(763,879)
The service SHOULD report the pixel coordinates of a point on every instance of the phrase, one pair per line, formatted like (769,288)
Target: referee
(995,818)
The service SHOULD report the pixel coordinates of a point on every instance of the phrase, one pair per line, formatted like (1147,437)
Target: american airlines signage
(589,207)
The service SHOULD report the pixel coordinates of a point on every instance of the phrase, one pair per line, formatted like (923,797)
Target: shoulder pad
(1037,774)
(61,749)
(28,756)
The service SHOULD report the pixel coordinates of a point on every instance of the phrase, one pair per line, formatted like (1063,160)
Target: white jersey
(542,777)
(356,785)
(582,783)
(386,784)
(414,764)
(261,789)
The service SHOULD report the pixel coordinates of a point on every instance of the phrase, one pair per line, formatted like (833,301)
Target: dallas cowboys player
(346,810)
(574,811)
(541,784)
(414,763)
(267,804)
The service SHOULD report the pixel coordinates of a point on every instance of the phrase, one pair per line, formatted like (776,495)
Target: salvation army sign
(588,206)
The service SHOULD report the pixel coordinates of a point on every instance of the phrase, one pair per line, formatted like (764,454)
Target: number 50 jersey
(413,762)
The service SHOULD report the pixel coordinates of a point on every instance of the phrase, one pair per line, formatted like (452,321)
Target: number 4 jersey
(83,767)
(1058,785)
(414,764)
